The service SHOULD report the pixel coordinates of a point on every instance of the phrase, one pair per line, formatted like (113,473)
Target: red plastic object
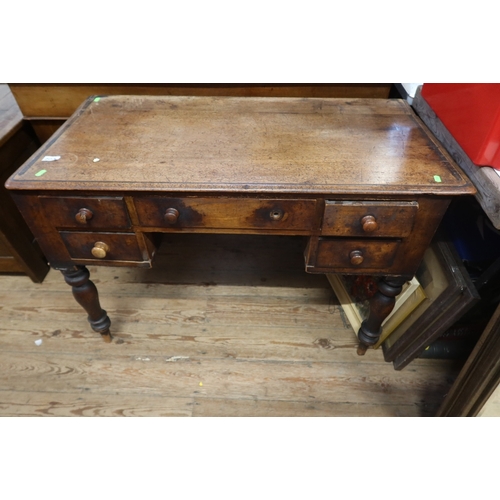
(471,113)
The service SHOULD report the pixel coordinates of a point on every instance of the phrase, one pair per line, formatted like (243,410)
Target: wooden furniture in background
(126,168)
(479,377)
(18,251)
(47,106)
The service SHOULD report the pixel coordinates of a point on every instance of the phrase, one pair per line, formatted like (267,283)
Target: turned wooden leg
(86,295)
(381,305)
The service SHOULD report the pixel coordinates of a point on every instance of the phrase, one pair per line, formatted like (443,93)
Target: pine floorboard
(223,325)
(492,406)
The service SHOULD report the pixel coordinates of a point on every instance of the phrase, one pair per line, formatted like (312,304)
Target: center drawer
(227,213)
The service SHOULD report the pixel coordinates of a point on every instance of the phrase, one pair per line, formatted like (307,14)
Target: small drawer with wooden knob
(86,212)
(350,255)
(102,246)
(219,213)
(369,218)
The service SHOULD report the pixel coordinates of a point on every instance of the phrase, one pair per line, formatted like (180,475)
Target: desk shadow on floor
(237,260)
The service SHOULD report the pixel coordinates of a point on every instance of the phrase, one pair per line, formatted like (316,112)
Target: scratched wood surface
(228,144)
(241,331)
(48,105)
(52,100)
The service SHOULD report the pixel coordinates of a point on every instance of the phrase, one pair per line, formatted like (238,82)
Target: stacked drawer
(95,228)
(359,235)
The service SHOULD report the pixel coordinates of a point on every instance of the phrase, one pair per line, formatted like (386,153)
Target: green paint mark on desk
(437,178)
(40,173)
(97,99)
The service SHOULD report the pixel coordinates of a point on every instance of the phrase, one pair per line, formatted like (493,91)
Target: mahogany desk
(363,179)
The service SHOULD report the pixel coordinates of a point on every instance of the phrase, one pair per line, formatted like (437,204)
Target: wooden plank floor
(492,406)
(221,326)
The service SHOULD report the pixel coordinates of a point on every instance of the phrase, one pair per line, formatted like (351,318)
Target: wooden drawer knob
(369,223)
(356,257)
(83,215)
(171,215)
(100,249)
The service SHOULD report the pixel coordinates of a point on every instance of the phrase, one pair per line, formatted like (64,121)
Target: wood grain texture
(61,101)
(274,345)
(258,408)
(47,106)
(76,404)
(225,144)
(294,215)
(103,212)
(389,219)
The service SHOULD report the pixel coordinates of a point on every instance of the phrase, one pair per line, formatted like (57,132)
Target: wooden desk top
(233,144)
